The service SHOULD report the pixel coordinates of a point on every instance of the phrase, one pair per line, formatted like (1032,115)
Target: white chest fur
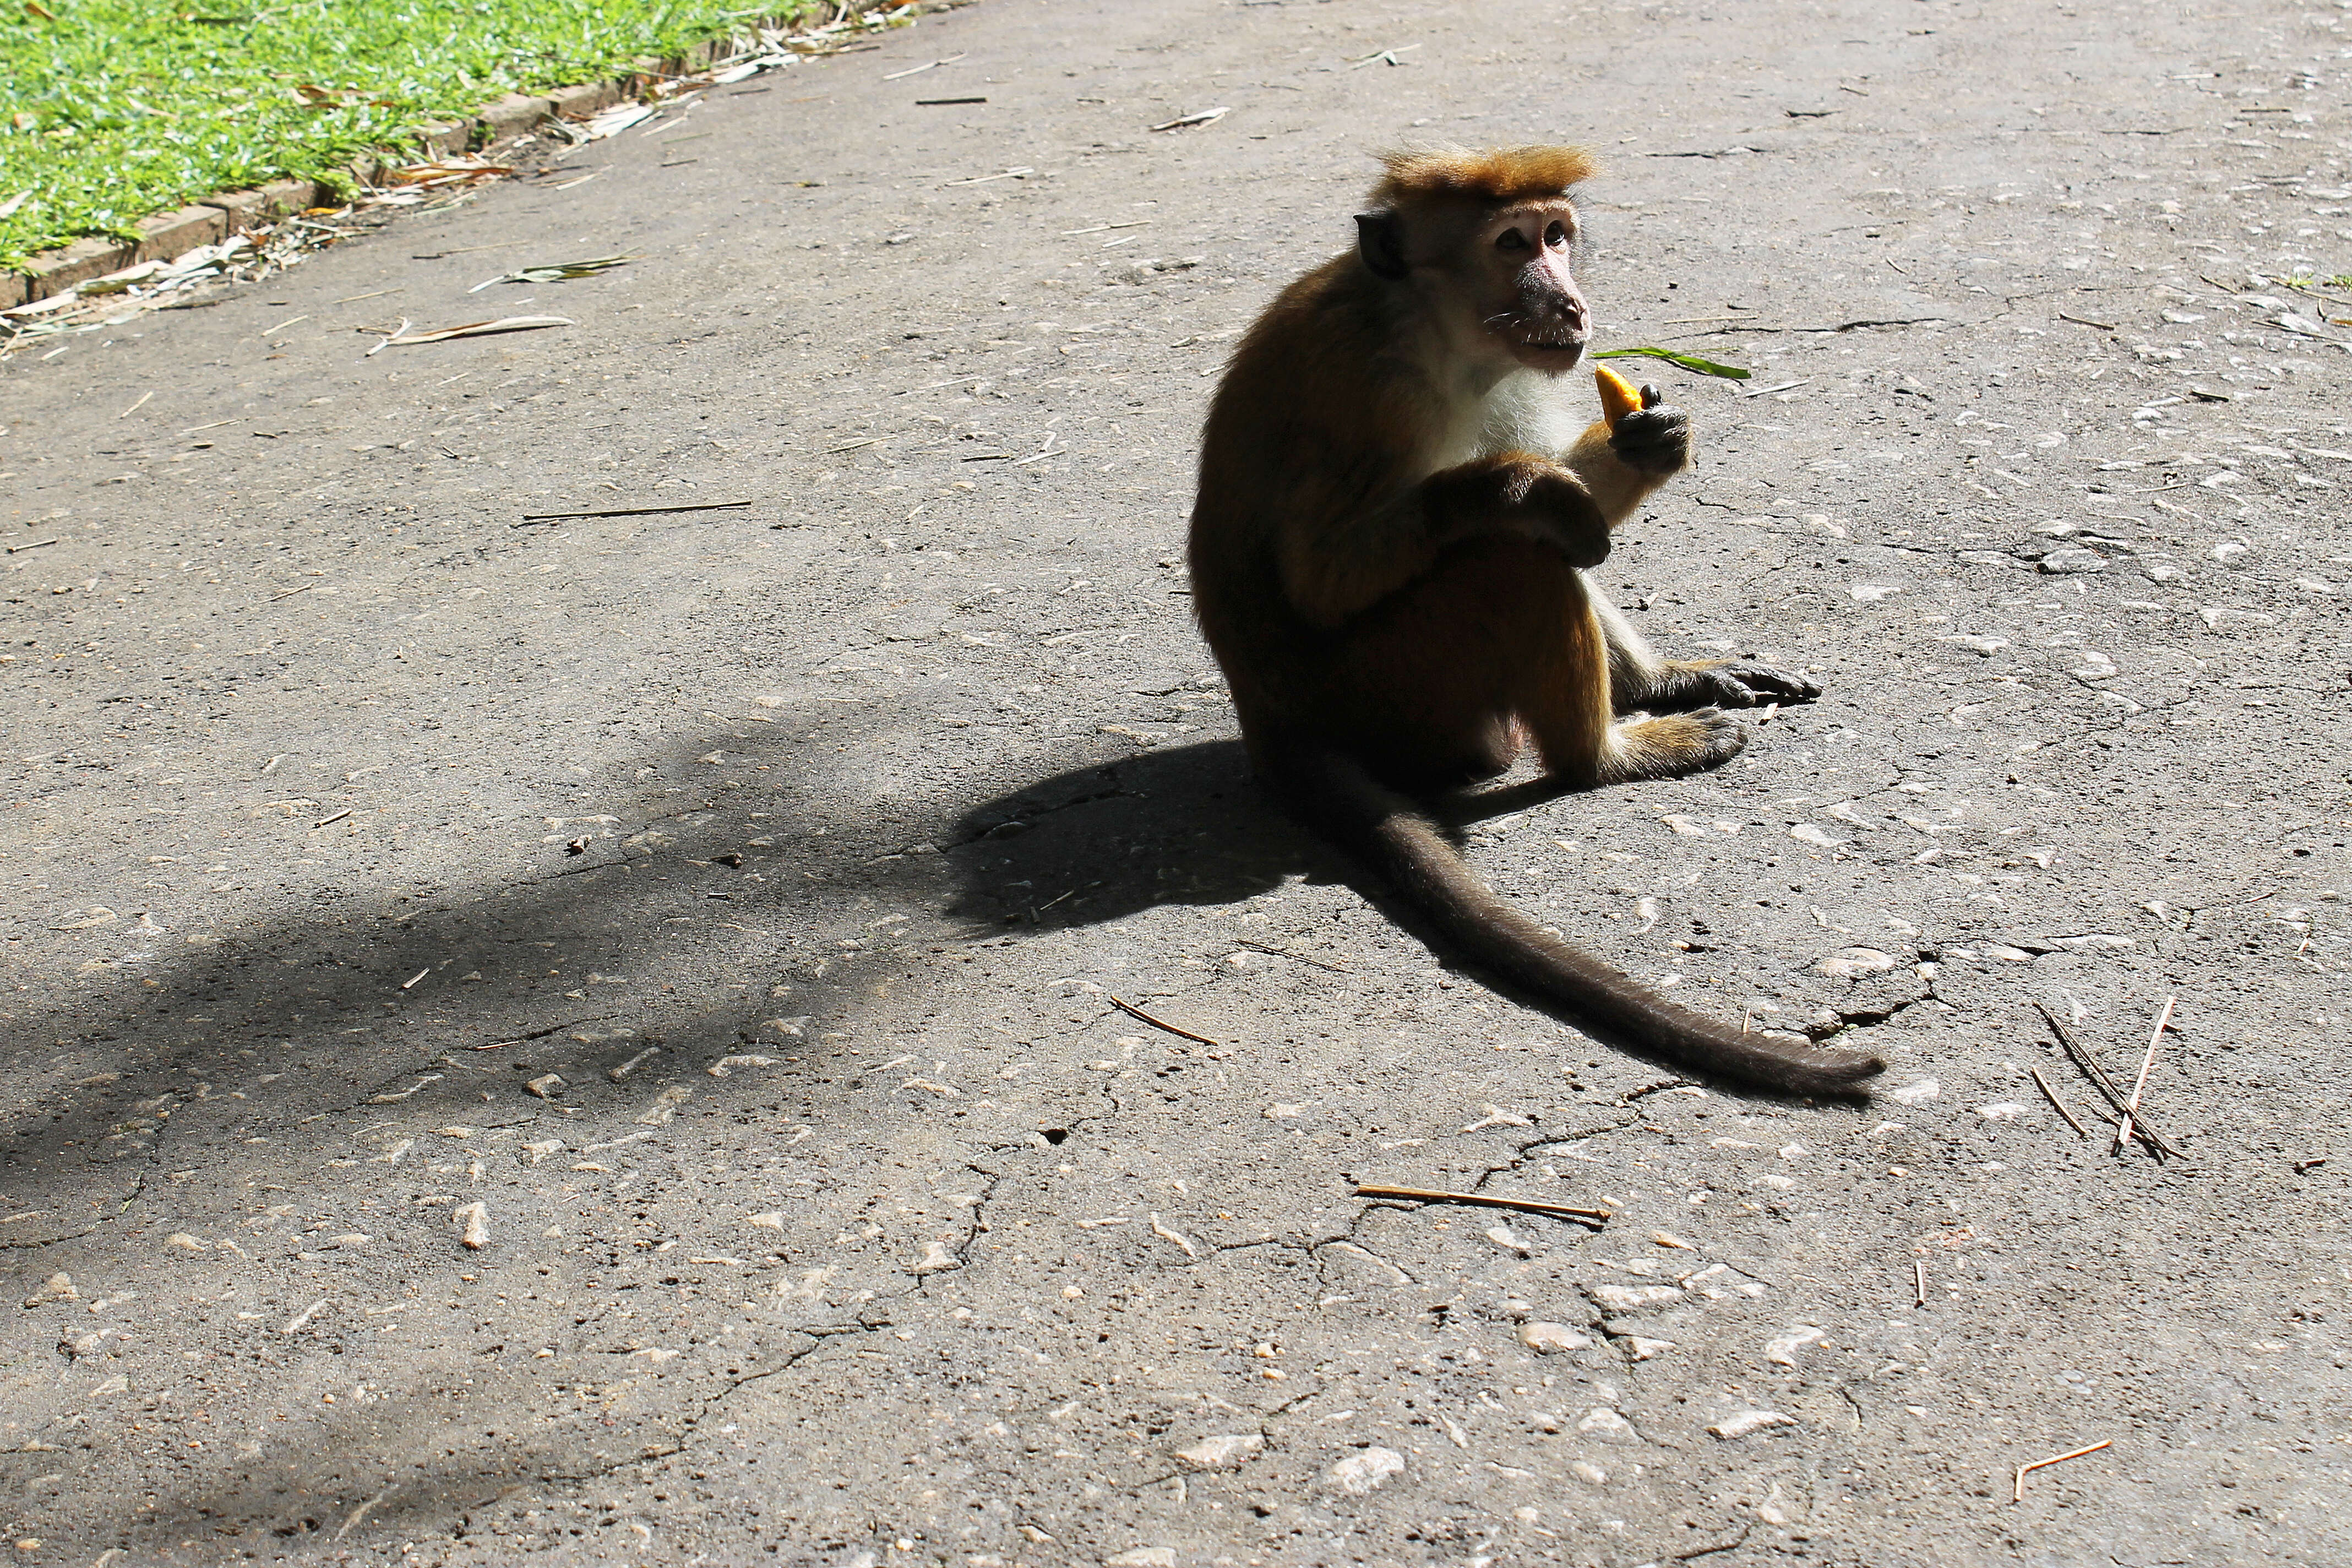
(1525,411)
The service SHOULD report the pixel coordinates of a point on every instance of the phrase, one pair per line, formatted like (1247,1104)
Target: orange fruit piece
(1618,397)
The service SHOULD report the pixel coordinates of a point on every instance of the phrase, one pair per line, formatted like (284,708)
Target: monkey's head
(1483,241)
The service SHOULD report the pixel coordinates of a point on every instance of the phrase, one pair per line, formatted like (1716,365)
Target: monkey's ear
(1379,240)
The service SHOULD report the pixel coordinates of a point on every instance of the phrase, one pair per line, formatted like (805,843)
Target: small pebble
(1501,1236)
(1360,1473)
(1719,1280)
(1606,1422)
(665,1105)
(633,1064)
(1552,1339)
(1744,1422)
(56,1288)
(2069,560)
(1634,1297)
(724,1066)
(1226,1450)
(1854,963)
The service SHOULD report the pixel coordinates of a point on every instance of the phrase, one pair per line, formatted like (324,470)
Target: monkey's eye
(1510,239)
(1556,235)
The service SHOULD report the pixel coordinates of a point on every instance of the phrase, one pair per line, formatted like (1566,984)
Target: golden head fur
(1497,174)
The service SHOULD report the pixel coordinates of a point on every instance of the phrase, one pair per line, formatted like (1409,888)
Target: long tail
(1386,827)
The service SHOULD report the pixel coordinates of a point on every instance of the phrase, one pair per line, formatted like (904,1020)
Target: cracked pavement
(732,904)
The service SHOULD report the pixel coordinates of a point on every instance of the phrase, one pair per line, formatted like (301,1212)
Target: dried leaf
(1206,116)
(441,172)
(615,119)
(402,338)
(556,272)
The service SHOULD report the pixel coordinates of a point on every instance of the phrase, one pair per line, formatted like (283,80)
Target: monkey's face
(1529,302)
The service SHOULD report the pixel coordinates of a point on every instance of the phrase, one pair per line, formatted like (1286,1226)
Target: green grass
(113,109)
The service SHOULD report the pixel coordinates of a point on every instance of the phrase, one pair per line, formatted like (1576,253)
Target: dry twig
(2124,1128)
(1131,1009)
(2106,1086)
(631,511)
(2017,1493)
(2058,1105)
(1596,1219)
(1206,116)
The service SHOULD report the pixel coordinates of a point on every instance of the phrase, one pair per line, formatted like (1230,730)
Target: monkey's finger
(1651,396)
(1761,683)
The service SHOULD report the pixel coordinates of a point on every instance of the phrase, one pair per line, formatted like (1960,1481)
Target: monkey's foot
(1739,683)
(1670,746)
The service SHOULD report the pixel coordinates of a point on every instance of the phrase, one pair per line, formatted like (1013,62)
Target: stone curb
(169,236)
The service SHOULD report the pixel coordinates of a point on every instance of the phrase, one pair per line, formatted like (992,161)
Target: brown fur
(1399,607)
(1496,177)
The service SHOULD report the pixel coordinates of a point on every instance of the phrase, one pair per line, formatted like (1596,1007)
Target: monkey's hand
(1654,438)
(1559,512)
(1740,683)
(1515,495)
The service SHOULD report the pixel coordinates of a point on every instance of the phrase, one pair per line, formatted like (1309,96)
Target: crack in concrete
(2116,727)
(137,1191)
(1864,1017)
(1519,1154)
(1734,1544)
(820,1337)
(1026,818)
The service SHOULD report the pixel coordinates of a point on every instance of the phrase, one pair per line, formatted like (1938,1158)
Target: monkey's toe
(1751,685)
(1673,744)
(1720,737)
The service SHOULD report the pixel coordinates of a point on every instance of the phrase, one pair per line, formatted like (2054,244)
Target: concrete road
(717,916)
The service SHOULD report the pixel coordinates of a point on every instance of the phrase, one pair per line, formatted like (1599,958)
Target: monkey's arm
(1339,558)
(1621,465)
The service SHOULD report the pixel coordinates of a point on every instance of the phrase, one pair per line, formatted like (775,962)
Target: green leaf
(1688,361)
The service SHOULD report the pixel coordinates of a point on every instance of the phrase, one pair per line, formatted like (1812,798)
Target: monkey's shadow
(1188,826)
(1180,825)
